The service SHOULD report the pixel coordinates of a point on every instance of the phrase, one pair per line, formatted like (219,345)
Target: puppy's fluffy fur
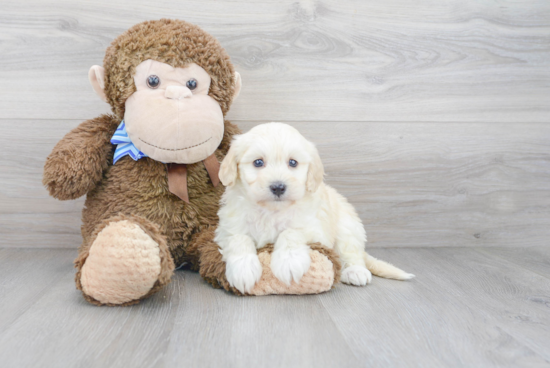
(254,214)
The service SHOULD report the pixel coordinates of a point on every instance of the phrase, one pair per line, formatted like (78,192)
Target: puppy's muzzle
(278,188)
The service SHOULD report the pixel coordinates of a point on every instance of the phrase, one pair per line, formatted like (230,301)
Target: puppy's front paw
(289,264)
(243,271)
(356,275)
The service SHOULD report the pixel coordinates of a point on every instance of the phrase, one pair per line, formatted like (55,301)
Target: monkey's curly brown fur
(82,162)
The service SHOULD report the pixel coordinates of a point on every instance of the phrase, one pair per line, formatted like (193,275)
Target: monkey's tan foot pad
(322,275)
(319,277)
(124,264)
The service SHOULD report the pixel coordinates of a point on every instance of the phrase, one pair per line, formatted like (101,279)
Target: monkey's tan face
(171,117)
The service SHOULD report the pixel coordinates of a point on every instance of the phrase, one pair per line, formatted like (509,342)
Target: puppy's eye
(259,162)
(153,81)
(192,84)
(293,163)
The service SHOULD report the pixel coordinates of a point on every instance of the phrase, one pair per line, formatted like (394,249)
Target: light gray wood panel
(302,60)
(465,308)
(28,216)
(26,276)
(265,332)
(187,322)
(413,184)
(534,259)
(491,312)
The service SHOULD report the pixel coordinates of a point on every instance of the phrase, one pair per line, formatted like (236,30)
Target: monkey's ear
(238,84)
(96,75)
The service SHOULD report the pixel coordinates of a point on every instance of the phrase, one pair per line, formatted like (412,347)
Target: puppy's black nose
(277,188)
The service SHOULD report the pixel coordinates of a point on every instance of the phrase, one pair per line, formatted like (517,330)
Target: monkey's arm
(78,160)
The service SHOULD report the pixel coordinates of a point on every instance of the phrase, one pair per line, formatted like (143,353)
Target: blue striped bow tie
(124,145)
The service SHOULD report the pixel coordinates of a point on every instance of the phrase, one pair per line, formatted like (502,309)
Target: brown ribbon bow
(177,176)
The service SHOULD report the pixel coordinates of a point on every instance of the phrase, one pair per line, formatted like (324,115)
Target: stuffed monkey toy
(150,169)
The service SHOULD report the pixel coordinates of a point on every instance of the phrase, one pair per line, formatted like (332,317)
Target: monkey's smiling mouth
(175,149)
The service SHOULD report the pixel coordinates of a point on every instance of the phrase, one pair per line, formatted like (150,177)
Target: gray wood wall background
(432,116)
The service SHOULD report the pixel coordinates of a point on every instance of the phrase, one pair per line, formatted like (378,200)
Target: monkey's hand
(77,162)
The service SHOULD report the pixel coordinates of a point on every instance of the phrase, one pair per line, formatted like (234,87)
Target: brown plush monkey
(149,170)
(172,84)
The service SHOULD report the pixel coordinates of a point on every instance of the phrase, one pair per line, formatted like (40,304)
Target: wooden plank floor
(482,307)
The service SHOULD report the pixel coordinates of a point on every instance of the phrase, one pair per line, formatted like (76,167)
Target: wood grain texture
(535,259)
(491,312)
(413,184)
(26,276)
(465,308)
(302,60)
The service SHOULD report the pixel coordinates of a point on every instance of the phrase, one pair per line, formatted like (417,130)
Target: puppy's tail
(385,269)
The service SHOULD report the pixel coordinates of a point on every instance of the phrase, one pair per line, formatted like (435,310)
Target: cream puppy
(275,194)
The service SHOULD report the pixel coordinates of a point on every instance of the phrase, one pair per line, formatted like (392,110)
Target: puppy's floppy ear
(228,169)
(316,171)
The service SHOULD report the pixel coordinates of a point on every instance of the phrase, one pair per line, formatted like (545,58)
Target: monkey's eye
(191,84)
(293,163)
(259,163)
(153,81)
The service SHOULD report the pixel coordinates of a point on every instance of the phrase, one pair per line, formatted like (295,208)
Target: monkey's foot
(127,261)
(322,275)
